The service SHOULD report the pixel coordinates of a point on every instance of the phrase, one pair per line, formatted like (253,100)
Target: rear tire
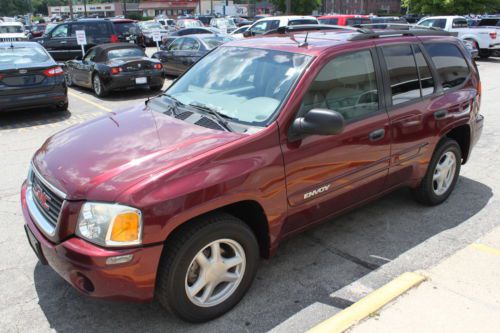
(68,78)
(484,54)
(99,88)
(442,174)
(207,267)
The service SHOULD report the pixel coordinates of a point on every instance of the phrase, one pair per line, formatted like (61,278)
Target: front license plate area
(35,245)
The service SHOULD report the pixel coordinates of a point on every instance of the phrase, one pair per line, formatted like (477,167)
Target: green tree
(451,7)
(298,6)
(13,7)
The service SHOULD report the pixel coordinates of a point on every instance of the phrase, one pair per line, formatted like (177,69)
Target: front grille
(47,202)
(12,39)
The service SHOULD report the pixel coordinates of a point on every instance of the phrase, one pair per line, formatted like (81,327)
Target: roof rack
(311,27)
(390,33)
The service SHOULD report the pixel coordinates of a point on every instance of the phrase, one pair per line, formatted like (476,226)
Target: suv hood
(100,159)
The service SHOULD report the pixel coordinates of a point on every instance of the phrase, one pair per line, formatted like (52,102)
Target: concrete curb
(369,304)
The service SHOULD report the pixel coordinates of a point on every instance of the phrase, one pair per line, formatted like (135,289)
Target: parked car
(344,19)
(484,37)
(240,21)
(61,41)
(493,21)
(187,23)
(223,24)
(38,30)
(239,33)
(30,78)
(271,23)
(259,140)
(205,19)
(147,28)
(188,31)
(12,31)
(168,24)
(413,18)
(128,31)
(183,52)
(108,67)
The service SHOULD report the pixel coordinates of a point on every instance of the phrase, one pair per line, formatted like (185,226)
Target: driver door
(327,174)
(82,69)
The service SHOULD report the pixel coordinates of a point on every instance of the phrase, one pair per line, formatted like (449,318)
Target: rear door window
(427,83)
(459,23)
(355,21)
(450,64)
(403,73)
(60,31)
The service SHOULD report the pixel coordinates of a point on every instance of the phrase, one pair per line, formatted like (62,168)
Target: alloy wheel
(444,173)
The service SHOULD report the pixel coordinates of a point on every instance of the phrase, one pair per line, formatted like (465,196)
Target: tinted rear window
(124,27)
(121,53)
(489,22)
(19,56)
(450,64)
(403,73)
(354,21)
(304,21)
(333,21)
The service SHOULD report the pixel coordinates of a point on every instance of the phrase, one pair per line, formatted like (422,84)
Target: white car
(12,32)
(238,33)
(271,23)
(485,39)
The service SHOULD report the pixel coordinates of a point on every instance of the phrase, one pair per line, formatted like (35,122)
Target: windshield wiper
(216,114)
(177,103)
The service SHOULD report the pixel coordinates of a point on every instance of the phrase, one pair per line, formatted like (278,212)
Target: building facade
(170,8)
(376,7)
(92,9)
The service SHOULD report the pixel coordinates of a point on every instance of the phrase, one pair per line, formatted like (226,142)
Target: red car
(38,30)
(258,141)
(344,19)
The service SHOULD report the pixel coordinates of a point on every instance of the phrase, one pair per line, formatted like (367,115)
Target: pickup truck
(484,38)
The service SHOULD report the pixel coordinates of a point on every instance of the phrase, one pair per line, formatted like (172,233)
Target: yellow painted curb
(485,248)
(369,304)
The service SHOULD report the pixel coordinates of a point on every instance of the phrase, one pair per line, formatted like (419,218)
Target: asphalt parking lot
(313,275)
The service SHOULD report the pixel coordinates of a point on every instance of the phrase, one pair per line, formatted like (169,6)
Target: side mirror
(319,122)
(247,33)
(78,57)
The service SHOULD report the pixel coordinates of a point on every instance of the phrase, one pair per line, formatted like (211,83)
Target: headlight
(110,224)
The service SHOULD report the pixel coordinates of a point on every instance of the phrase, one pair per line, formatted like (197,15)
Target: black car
(114,66)
(61,40)
(30,78)
(185,51)
(188,31)
(128,31)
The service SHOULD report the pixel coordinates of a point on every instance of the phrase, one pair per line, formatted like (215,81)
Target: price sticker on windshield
(81,38)
(156,35)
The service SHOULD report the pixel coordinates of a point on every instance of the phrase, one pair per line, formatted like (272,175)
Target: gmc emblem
(43,199)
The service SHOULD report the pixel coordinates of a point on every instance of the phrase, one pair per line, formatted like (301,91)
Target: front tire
(207,267)
(484,54)
(442,174)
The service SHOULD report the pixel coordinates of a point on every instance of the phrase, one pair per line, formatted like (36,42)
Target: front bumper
(128,80)
(495,46)
(84,265)
(30,101)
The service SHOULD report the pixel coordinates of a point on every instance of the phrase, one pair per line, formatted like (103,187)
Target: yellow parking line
(485,248)
(369,304)
(90,102)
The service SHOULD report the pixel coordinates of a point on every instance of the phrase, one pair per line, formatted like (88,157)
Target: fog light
(119,259)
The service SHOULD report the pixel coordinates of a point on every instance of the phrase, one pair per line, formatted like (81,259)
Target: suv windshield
(245,84)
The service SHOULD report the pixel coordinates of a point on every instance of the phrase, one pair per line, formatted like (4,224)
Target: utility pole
(70,3)
(85,7)
(125,8)
(288,6)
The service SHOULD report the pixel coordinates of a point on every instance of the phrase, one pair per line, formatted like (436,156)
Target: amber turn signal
(126,227)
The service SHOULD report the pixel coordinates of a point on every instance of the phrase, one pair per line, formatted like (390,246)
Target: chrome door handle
(377,134)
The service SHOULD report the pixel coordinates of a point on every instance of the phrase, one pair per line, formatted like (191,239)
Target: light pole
(70,3)
(288,6)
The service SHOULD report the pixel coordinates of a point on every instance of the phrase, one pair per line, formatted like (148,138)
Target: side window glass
(402,73)
(90,55)
(459,23)
(61,31)
(450,64)
(190,45)
(347,84)
(260,28)
(440,23)
(426,80)
(176,44)
(275,24)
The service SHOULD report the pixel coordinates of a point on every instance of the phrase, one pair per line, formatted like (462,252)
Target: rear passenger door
(326,174)
(418,104)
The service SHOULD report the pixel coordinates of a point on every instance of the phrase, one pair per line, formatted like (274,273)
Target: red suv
(259,140)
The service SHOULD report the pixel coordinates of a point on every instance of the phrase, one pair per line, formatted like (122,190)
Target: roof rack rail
(390,33)
(311,27)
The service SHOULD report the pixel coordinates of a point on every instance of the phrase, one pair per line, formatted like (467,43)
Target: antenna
(304,43)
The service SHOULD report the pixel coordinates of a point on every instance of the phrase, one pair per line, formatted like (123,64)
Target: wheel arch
(462,135)
(249,211)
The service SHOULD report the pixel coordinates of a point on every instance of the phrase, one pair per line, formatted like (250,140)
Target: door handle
(440,114)
(63,42)
(377,134)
